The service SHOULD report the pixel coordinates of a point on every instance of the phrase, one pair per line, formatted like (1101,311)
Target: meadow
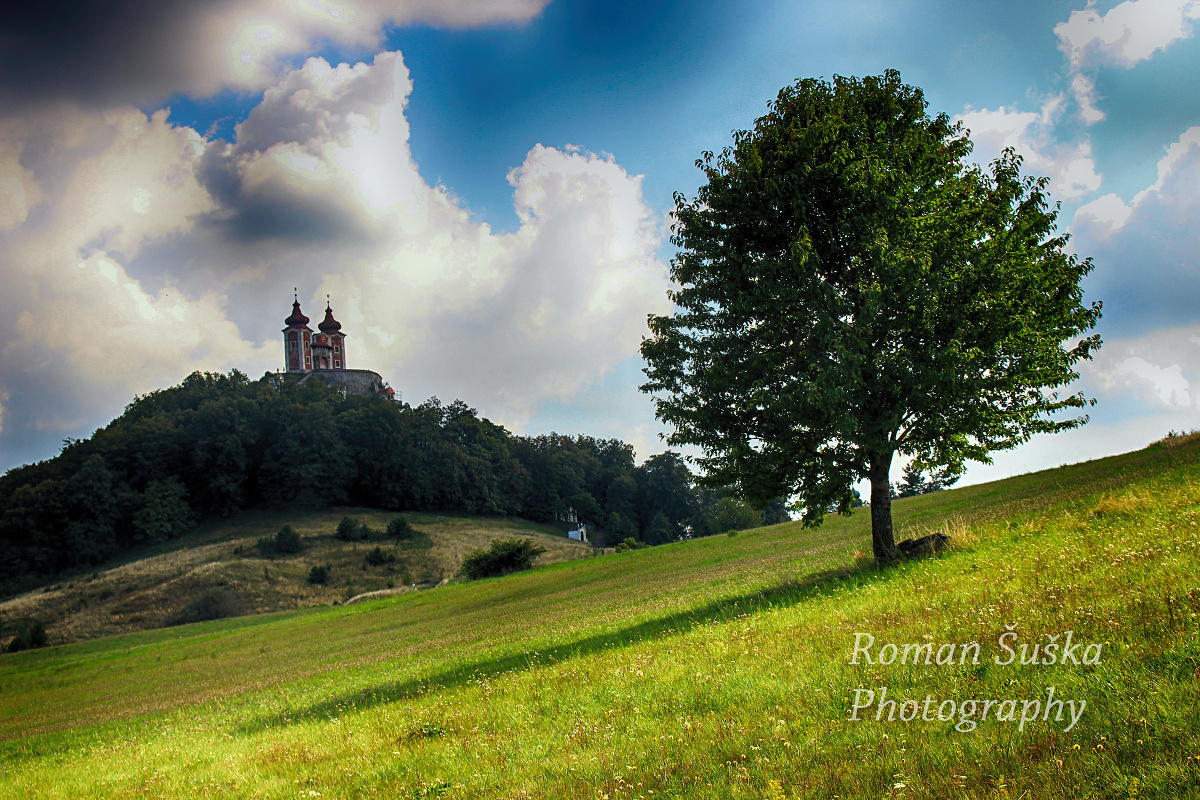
(713,668)
(154,587)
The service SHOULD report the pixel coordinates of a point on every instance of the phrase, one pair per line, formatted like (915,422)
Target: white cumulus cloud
(85,333)
(1128,33)
(1070,166)
(1159,368)
(1168,383)
(1105,214)
(154,251)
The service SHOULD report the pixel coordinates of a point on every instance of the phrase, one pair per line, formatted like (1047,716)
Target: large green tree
(851,287)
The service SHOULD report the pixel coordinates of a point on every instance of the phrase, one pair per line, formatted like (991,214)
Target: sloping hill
(713,668)
(221,565)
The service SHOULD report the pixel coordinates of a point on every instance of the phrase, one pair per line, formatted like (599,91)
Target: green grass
(713,668)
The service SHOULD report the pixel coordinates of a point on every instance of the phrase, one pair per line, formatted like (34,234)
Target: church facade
(322,354)
(304,352)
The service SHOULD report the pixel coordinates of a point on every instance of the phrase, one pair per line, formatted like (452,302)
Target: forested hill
(217,444)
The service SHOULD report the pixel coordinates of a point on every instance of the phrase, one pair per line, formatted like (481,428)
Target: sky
(483,188)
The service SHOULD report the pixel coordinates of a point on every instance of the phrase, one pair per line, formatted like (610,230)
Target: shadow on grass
(780,596)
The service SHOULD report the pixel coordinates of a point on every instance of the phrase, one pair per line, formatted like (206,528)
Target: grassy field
(154,588)
(714,668)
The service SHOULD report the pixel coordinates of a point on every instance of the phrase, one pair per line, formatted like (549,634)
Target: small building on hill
(321,355)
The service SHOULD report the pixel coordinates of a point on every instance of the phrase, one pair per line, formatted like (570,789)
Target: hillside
(218,445)
(222,563)
(712,668)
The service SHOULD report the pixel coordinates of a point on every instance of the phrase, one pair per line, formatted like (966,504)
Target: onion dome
(329,324)
(297,317)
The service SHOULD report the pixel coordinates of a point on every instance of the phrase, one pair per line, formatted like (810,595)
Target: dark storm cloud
(280,179)
(285,219)
(272,211)
(97,52)
(100,53)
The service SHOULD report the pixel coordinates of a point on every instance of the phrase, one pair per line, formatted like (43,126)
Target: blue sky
(483,188)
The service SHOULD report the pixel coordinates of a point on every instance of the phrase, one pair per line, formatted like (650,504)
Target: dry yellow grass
(962,535)
(1174,439)
(1126,503)
(149,592)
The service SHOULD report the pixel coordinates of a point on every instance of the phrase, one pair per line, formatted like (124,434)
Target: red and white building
(323,354)
(304,352)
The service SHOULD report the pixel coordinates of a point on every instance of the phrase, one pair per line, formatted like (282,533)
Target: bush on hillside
(399,529)
(288,541)
(215,603)
(503,557)
(285,542)
(630,543)
(351,530)
(319,575)
(31,633)
(377,557)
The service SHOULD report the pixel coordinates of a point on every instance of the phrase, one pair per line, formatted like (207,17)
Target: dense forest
(217,444)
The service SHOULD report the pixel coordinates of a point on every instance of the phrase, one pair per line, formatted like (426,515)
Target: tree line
(217,444)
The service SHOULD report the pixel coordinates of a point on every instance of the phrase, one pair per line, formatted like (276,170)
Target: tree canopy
(850,287)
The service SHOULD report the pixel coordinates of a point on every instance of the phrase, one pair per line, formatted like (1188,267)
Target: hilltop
(713,668)
(218,445)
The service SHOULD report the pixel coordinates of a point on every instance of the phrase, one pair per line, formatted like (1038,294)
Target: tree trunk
(883,543)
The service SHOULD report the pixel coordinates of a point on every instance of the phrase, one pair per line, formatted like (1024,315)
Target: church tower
(297,341)
(321,356)
(331,335)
